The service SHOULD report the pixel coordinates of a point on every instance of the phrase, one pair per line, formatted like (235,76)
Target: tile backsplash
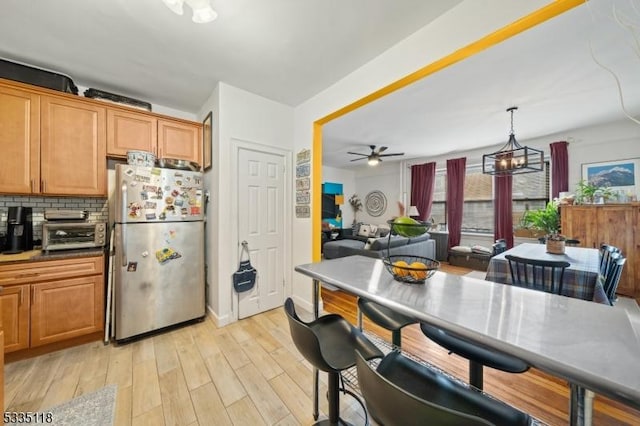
(98,209)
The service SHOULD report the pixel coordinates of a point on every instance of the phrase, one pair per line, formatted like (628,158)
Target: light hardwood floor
(247,373)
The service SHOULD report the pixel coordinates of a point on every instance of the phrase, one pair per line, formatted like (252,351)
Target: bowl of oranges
(411,269)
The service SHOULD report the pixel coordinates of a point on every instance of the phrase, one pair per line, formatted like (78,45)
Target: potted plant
(356,205)
(586,192)
(547,220)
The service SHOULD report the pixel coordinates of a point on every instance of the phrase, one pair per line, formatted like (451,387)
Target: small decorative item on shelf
(409,269)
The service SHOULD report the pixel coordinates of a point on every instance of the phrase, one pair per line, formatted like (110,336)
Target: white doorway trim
(234,245)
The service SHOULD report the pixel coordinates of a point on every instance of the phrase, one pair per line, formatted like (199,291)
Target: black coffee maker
(19,230)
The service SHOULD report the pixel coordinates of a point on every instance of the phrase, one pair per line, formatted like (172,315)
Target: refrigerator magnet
(132,266)
(142,178)
(135,210)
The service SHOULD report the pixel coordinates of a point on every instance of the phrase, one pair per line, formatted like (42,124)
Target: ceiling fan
(375,156)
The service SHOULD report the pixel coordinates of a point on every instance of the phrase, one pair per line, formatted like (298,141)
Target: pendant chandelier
(512,158)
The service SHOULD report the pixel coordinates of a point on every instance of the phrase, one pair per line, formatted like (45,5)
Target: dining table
(591,345)
(582,278)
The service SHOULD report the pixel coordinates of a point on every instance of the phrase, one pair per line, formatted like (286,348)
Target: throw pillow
(382,231)
(369,242)
(364,231)
(461,249)
(481,250)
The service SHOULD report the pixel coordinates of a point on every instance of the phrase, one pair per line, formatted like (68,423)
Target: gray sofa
(422,245)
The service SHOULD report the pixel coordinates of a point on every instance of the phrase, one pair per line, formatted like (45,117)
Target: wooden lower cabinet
(51,301)
(613,224)
(64,309)
(15,317)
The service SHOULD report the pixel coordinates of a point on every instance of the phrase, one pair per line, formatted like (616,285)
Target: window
(530,192)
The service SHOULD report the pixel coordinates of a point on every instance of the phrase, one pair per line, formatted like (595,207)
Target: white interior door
(260,223)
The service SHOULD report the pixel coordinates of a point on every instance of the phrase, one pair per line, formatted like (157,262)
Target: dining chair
(401,391)
(606,250)
(537,274)
(500,246)
(612,278)
(571,242)
(329,344)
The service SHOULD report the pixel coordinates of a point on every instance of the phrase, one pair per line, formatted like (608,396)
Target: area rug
(92,409)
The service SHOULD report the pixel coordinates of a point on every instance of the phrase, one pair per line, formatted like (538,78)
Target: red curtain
(456,169)
(559,168)
(423,179)
(503,209)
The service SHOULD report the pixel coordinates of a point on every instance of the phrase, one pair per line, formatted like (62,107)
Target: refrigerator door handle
(123,228)
(122,239)
(123,205)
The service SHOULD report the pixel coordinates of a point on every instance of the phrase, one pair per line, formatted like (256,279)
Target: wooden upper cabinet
(73,147)
(130,131)
(20,141)
(179,140)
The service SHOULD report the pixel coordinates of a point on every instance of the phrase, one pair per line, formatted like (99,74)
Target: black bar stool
(329,344)
(403,392)
(478,355)
(384,317)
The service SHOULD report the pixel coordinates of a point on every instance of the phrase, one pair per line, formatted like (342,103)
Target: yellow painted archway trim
(537,17)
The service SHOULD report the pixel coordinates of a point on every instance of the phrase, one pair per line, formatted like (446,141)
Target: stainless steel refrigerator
(159,249)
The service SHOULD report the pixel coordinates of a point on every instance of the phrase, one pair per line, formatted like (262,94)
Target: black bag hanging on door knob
(245,277)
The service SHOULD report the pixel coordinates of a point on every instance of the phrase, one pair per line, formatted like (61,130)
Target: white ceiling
(547,71)
(284,50)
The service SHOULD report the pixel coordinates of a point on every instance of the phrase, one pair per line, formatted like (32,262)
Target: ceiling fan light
(176,6)
(373,161)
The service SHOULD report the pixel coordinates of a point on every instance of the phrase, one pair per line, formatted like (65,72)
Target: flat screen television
(329,208)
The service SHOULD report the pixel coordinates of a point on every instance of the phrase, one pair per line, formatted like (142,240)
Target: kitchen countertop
(589,344)
(40,255)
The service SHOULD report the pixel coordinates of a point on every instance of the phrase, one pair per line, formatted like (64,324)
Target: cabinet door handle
(21,296)
(33,295)
(42,186)
(33,185)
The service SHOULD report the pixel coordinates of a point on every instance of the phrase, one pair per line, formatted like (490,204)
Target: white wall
(238,116)
(384,177)
(212,179)
(469,21)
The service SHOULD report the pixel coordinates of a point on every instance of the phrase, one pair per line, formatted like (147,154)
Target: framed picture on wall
(207,141)
(619,175)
